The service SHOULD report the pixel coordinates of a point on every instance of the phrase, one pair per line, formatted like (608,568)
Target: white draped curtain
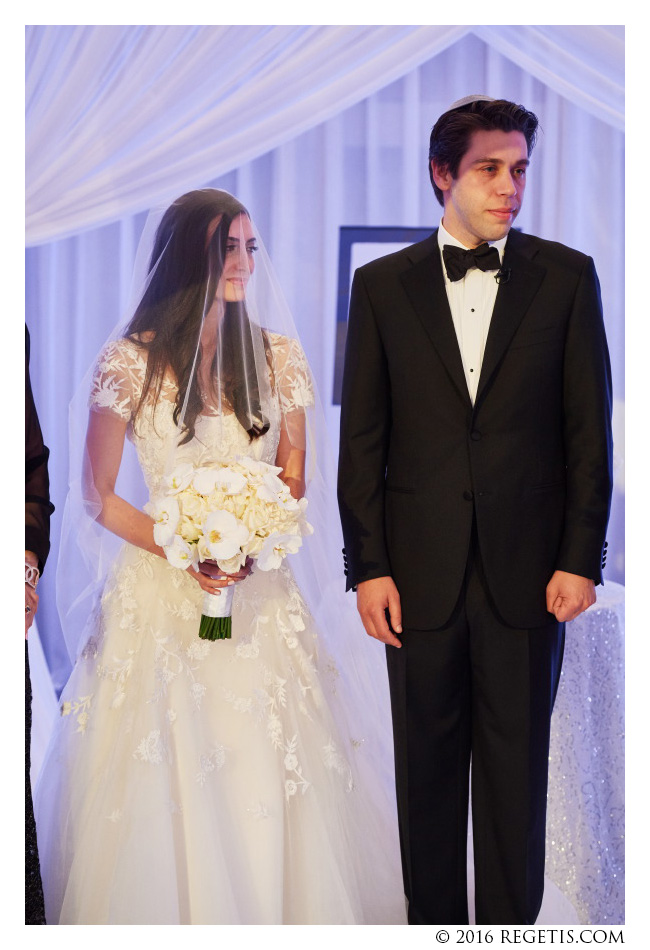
(119,116)
(312,128)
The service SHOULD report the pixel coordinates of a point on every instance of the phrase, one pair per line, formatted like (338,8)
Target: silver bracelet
(32,575)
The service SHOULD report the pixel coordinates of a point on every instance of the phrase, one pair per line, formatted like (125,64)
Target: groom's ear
(441,175)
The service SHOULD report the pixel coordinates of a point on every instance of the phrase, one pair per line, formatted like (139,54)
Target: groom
(474,490)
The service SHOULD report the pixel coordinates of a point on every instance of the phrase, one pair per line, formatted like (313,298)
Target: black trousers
(34,908)
(475,690)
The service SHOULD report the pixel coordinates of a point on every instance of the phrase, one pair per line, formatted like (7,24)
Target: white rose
(254,546)
(192,505)
(255,516)
(232,565)
(189,530)
(202,549)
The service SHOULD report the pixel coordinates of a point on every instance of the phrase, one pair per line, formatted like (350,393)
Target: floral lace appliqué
(79,709)
(297,782)
(335,760)
(210,762)
(150,749)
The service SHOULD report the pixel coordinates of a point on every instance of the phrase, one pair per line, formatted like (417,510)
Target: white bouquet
(227,512)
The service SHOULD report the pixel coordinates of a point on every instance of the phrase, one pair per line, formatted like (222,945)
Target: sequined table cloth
(585,823)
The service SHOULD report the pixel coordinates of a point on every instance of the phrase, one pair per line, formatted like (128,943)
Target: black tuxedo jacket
(531,460)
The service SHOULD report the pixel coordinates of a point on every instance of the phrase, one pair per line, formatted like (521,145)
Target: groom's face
(483,200)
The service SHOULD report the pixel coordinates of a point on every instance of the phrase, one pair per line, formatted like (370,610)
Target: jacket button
(475,436)
(468,495)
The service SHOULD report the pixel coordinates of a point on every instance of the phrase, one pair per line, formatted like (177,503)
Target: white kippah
(466,101)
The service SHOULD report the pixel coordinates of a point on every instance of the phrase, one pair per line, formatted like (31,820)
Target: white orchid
(230,482)
(166,515)
(257,466)
(305,528)
(272,489)
(181,554)
(180,478)
(204,479)
(275,549)
(224,534)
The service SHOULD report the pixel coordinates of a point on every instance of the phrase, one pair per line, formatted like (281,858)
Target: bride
(189,781)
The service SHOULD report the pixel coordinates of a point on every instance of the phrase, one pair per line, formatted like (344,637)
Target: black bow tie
(458,261)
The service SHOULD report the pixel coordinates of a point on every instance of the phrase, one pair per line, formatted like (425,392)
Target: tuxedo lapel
(424,284)
(512,301)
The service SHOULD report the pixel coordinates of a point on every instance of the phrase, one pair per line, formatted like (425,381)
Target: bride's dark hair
(168,318)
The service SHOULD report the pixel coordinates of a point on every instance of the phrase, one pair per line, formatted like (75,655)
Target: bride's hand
(211,578)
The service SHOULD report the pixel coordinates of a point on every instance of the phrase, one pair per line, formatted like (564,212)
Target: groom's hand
(374,597)
(567,595)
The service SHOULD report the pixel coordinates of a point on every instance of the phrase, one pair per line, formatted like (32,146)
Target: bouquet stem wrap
(216,620)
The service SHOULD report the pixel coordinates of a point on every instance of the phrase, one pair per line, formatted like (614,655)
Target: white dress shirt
(471,301)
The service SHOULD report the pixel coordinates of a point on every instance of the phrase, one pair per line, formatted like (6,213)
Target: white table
(585,823)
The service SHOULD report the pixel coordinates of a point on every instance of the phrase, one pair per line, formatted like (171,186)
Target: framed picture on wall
(358,246)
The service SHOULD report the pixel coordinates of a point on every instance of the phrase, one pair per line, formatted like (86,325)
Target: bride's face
(239,263)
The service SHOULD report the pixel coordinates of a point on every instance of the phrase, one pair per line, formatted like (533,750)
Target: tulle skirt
(212,782)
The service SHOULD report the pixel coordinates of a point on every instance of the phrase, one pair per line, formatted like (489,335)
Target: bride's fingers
(209,584)
(212,583)
(240,575)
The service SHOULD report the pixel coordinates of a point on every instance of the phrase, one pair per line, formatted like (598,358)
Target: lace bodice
(117,386)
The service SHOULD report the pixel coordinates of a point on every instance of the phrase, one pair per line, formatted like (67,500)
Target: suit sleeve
(365,422)
(38,507)
(587,433)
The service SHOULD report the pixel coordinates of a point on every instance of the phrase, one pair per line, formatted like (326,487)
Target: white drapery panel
(102,140)
(367,165)
(120,117)
(583,63)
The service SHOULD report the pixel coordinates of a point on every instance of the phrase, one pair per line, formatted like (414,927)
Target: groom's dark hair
(451,134)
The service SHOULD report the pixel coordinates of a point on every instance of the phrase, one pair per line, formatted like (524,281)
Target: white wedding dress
(204,782)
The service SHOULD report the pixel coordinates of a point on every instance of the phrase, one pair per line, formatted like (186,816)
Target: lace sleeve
(292,374)
(117,380)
